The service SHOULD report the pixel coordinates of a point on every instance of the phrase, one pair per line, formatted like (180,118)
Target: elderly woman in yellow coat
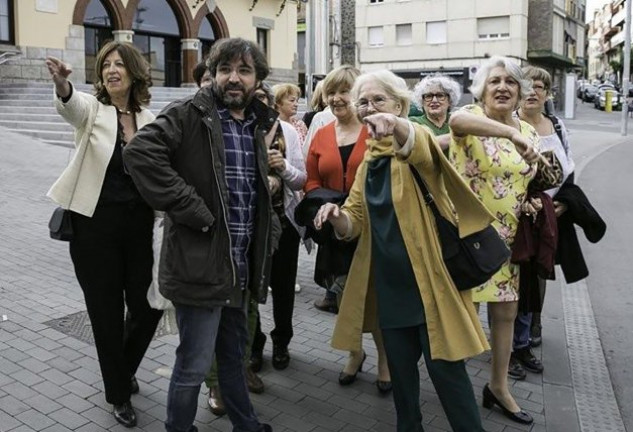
(398,281)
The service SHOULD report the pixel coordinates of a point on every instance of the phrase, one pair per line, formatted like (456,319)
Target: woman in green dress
(400,283)
(437,95)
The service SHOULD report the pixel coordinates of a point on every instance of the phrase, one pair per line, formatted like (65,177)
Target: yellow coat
(453,325)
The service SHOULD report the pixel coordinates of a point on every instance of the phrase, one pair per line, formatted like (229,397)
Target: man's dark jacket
(178,164)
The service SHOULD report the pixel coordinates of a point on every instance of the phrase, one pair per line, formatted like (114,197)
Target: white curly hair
(447,84)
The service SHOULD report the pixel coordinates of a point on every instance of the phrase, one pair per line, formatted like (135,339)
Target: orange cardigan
(324,164)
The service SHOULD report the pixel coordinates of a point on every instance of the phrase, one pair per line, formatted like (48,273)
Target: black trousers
(404,347)
(112,255)
(283,277)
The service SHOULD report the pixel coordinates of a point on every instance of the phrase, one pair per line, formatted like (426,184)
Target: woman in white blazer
(112,244)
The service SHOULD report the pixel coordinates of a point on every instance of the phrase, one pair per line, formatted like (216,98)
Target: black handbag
(60,225)
(472,260)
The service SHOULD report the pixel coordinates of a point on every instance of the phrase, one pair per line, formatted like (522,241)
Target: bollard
(608,98)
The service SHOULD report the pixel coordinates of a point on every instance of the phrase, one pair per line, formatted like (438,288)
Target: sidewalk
(50,379)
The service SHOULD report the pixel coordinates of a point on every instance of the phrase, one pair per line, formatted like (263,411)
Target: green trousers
(211,380)
(404,347)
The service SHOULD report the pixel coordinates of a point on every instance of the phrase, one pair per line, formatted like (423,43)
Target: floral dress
(498,174)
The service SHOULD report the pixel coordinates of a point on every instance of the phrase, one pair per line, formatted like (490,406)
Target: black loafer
(125,414)
(281,357)
(528,360)
(515,370)
(134,386)
(384,387)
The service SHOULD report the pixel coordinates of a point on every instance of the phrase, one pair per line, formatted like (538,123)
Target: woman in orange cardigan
(336,151)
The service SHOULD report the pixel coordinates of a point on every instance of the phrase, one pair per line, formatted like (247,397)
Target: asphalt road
(604,165)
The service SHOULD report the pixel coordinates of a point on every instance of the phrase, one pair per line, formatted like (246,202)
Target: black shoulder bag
(472,260)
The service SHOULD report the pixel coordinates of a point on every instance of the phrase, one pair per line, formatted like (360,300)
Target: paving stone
(35,420)
(74,403)
(80,389)
(27,378)
(13,406)
(68,418)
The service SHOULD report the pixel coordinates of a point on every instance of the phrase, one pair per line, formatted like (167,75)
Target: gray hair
(391,83)
(447,84)
(479,82)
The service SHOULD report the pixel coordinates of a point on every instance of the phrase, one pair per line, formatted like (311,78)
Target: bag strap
(426,195)
(558,128)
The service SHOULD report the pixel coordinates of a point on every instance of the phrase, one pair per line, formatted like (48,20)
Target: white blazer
(79,186)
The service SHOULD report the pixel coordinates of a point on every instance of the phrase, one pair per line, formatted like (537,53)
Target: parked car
(600,98)
(589,92)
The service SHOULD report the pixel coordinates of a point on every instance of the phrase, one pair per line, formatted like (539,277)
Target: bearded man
(203,161)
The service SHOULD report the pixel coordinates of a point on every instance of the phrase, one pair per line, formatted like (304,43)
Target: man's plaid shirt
(241,181)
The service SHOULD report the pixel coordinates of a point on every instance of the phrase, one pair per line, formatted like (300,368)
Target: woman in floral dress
(495,153)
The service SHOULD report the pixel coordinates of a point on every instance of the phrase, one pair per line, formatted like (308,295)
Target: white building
(413,37)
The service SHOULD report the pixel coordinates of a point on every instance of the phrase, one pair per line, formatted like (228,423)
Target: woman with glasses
(335,153)
(437,94)
(527,326)
(401,285)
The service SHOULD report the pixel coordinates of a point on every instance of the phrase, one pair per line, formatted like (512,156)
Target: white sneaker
(297,288)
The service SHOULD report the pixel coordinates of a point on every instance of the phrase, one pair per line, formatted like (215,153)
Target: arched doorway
(157,35)
(163,30)
(98,26)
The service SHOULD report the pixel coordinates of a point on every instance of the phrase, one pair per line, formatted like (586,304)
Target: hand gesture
(326,212)
(276,160)
(526,149)
(381,125)
(58,69)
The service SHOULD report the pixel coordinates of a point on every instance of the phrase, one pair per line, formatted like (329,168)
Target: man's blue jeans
(201,331)
(522,324)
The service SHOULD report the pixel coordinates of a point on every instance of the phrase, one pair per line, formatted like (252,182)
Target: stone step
(32,117)
(25,106)
(46,135)
(39,125)
(45,110)
(49,97)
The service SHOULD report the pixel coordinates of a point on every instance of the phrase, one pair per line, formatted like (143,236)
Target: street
(50,379)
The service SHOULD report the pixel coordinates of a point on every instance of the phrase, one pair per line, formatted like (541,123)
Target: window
(262,40)
(404,34)
(436,32)
(493,27)
(6,22)
(375,1)
(375,36)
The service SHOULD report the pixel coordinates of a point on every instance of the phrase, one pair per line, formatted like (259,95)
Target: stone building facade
(173,34)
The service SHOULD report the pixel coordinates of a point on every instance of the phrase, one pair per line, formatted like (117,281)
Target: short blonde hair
(282,91)
(534,73)
(317,103)
(341,77)
(392,84)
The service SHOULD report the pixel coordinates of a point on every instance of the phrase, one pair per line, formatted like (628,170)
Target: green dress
(398,296)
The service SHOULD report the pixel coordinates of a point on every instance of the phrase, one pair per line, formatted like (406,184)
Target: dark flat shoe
(256,362)
(125,414)
(281,357)
(491,400)
(384,386)
(346,379)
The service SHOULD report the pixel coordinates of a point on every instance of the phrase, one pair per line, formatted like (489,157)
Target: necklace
(120,111)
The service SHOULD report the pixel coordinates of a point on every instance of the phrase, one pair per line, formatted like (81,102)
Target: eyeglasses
(539,88)
(441,97)
(377,102)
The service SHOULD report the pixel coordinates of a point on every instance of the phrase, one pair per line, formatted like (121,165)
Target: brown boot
(255,383)
(216,404)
